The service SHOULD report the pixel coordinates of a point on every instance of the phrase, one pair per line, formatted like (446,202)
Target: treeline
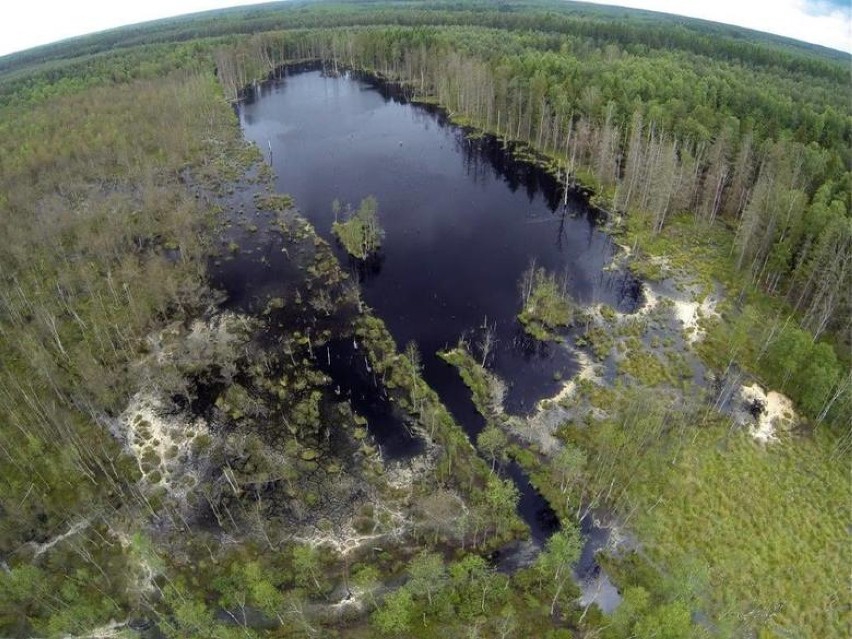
(636,30)
(65,77)
(689,96)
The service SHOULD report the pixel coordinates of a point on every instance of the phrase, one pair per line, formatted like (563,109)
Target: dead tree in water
(487,340)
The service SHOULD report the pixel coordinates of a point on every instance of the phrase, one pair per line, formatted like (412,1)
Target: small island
(545,304)
(360,233)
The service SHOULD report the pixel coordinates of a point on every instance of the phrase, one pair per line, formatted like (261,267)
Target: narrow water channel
(463,220)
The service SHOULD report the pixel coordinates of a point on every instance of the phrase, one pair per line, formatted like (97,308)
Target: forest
(177,464)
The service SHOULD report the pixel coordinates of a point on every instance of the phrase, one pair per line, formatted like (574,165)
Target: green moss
(607,312)
(599,339)
(273,202)
(646,368)
(708,501)
(201,443)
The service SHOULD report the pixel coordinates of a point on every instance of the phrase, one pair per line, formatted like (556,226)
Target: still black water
(463,220)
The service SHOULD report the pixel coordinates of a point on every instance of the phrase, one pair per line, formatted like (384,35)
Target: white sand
(541,425)
(588,371)
(153,434)
(619,258)
(218,333)
(690,314)
(166,440)
(141,580)
(778,412)
(72,530)
(112,630)
(345,539)
(652,300)
(404,476)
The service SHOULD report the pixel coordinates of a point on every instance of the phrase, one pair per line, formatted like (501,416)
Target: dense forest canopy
(164,465)
(595,21)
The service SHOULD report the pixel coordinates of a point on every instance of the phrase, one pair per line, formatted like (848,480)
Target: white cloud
(824,22)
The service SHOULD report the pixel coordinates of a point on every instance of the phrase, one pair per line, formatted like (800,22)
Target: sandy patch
(223,330)
(356,599)
(652,300)
(777,413)
(204,340)
(162,440)
(663,261)
(620,258)
(147,564)
(690,314)
(344,540)
(72,530)
(627,250)
(404,476)
(589,371)
(112,630)
(540,427)
(162,443)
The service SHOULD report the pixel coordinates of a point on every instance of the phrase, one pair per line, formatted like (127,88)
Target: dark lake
(463,220)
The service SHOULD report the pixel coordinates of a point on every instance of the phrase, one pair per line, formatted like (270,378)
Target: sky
(825,22)
(29,23)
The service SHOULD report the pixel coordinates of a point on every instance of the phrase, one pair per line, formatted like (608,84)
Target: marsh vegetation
(546,305)
(359,230)
(214,424)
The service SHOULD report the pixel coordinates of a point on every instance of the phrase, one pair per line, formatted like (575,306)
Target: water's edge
(532,507)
